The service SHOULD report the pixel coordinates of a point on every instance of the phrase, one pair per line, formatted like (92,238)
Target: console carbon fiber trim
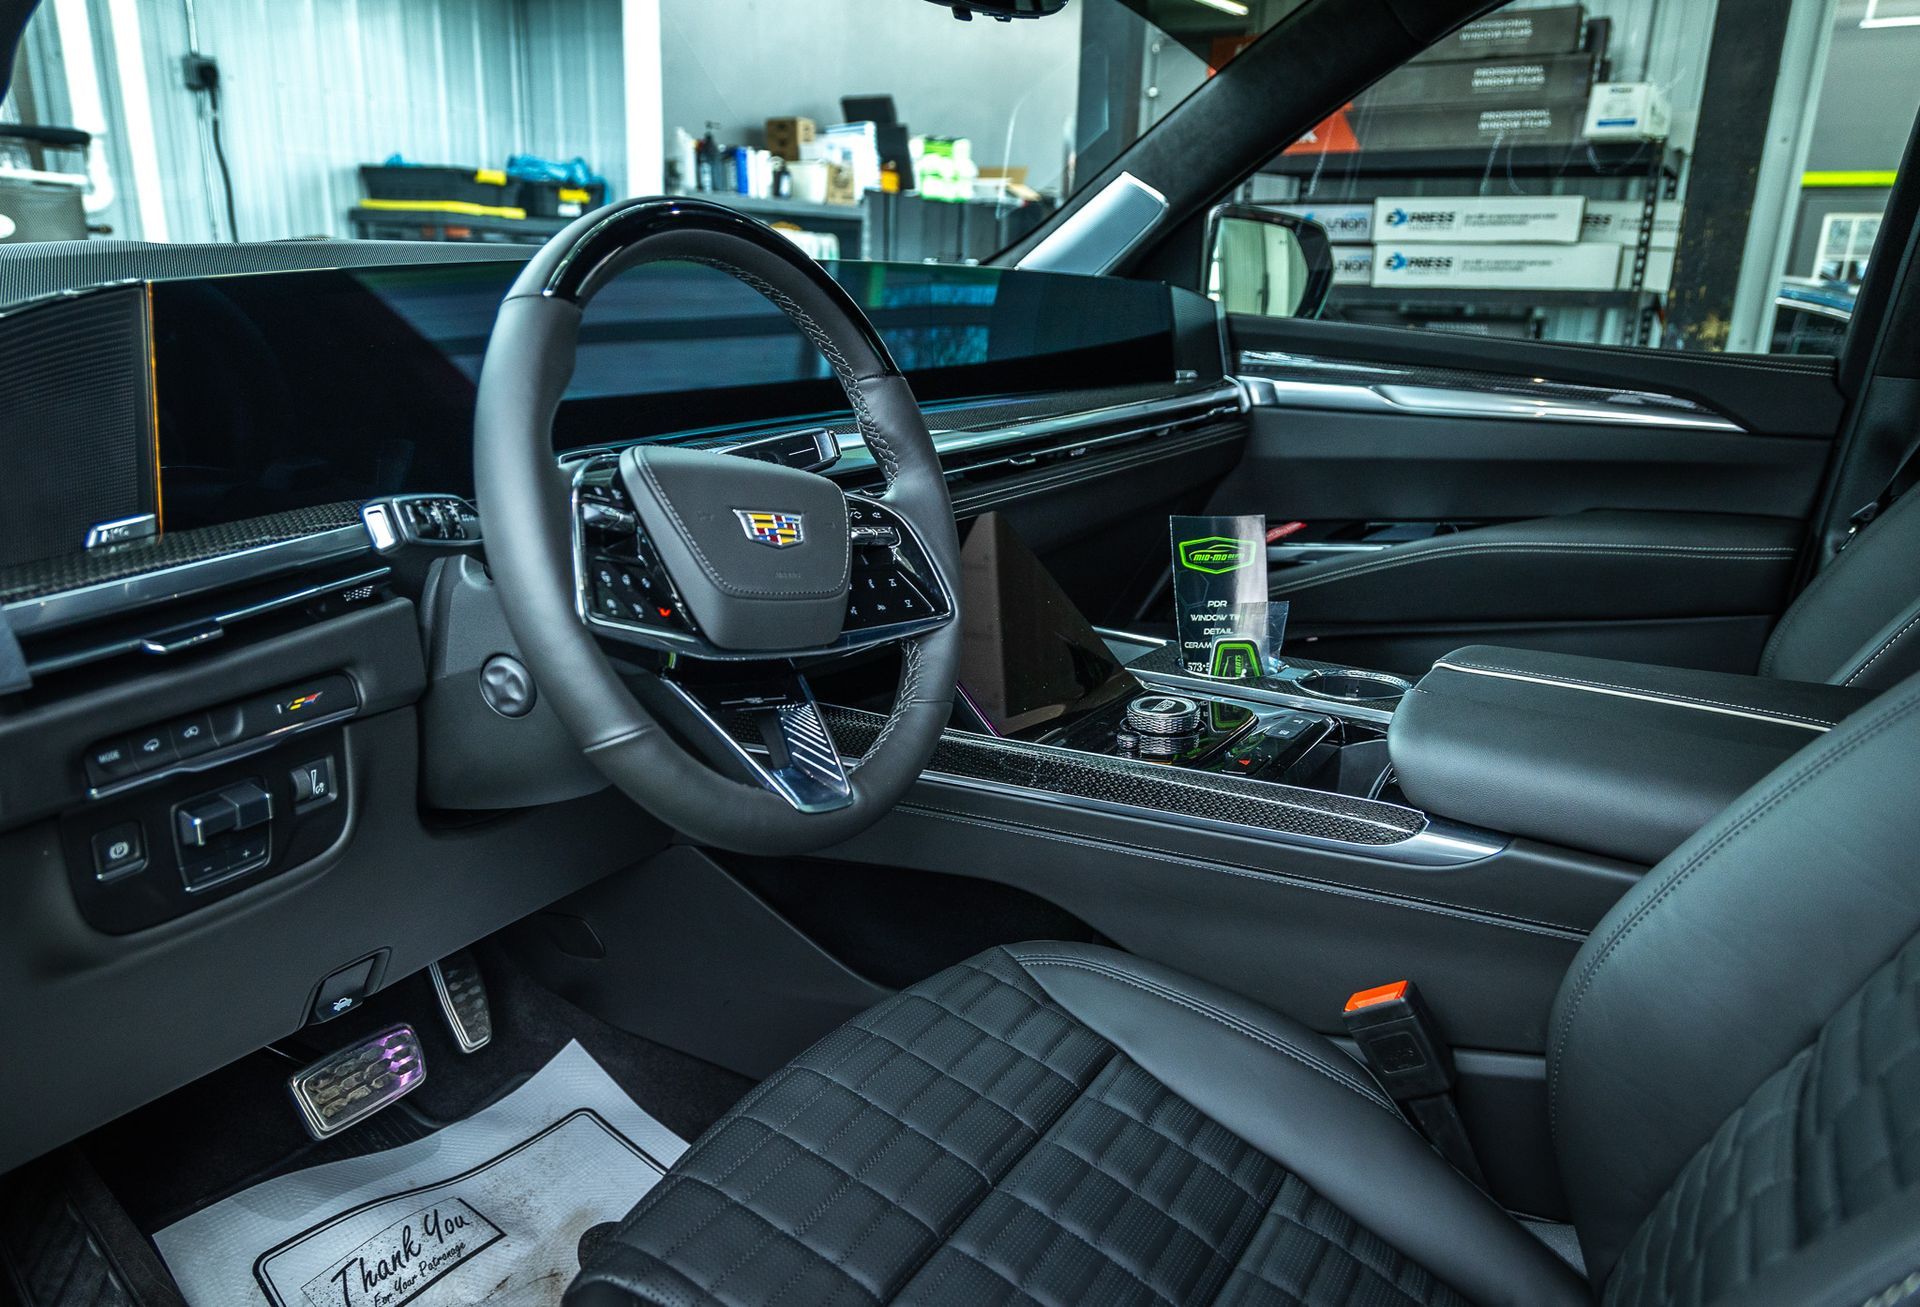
(1363,826)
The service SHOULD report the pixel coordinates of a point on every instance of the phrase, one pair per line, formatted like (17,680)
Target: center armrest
(1622,759)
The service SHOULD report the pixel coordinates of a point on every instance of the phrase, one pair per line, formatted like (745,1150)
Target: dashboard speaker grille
(76,443)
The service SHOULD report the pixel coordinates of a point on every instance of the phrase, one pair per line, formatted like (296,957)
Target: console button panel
(115,764)
(167,848)
(1203,734)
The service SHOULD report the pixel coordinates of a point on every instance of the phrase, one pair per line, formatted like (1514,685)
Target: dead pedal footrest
(345,1088)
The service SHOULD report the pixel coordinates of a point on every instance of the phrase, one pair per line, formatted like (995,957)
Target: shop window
(1616,173)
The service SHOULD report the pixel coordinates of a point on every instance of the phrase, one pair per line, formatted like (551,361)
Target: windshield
(881,129)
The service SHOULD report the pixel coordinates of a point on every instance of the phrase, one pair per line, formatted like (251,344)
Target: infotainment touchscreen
(286,390)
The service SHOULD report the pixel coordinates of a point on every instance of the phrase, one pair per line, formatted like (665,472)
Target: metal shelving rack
(1657,167)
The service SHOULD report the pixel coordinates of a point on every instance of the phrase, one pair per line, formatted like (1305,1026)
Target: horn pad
(757,551)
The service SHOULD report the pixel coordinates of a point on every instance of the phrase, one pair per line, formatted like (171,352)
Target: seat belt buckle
(1400,1040)
(1402,1046)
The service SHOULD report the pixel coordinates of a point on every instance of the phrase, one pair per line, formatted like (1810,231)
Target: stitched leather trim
(1816,724)
(1733,553)
(1220,1015)
(1749,817)
(1474,916)
(1885,645)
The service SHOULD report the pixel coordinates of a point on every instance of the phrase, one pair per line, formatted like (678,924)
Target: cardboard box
(1466,126)
(843,187)
(1344,222)
(1353,265)
(1548,79)
(1618,222)
(1627,111)
(1504,219)
(786,136)
(1511,33)
(1497,267)
(1659,278)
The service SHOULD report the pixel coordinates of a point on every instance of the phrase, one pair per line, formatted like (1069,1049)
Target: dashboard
(245,744)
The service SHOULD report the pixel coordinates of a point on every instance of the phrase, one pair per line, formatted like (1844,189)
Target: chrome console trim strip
(1525,402)
(107,598)
(1643,696)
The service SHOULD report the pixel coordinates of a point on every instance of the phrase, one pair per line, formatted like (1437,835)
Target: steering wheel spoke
(625,592)
(790,750)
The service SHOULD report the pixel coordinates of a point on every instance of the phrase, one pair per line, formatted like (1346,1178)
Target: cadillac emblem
(774,530)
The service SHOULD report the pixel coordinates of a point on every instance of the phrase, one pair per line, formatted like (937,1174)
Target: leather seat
(1858,623)
(1734,1076)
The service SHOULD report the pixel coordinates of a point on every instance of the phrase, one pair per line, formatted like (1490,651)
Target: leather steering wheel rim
(527,517)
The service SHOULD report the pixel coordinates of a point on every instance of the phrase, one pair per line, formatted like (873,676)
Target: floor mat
(488,1210)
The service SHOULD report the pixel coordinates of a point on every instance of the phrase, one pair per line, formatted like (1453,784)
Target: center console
(1302,743)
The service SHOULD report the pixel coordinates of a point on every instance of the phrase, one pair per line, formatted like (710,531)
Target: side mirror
(1267,263)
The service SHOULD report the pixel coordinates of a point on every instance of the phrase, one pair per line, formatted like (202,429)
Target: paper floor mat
(488,1210)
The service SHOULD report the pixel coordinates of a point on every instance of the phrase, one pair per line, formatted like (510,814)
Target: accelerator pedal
(345,1088)
(463,999)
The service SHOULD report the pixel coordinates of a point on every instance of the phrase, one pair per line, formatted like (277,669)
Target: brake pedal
(345,1088)
(463,1000)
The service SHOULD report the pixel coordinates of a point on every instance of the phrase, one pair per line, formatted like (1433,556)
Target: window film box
(1458,219)
(1468,126)
(1344,222)
(1353,265)
(1497,267)
(1618,222)
(1549,79)
(1512,32)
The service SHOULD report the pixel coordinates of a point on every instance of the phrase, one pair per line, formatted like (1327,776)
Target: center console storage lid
(1622,759)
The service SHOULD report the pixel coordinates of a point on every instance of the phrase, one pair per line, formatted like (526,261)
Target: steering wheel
(664,598)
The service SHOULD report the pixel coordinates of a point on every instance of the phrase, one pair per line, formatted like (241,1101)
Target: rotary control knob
(1163,714)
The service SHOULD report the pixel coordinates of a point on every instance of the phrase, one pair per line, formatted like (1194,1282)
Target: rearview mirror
(1004,10)
(1267,263)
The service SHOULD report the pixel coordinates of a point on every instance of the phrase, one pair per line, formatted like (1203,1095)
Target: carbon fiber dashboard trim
(57,592)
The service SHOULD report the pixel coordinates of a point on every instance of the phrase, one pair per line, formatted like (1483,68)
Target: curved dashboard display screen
(286,390)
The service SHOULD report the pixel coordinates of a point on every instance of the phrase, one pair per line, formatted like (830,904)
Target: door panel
(1424,503)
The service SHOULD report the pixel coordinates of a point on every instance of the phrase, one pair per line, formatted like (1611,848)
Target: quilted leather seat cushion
(1064,1124)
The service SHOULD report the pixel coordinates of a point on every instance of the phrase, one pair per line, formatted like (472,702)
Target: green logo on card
(1217,554)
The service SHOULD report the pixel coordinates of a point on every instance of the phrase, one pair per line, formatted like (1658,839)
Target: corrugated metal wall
(313,88)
